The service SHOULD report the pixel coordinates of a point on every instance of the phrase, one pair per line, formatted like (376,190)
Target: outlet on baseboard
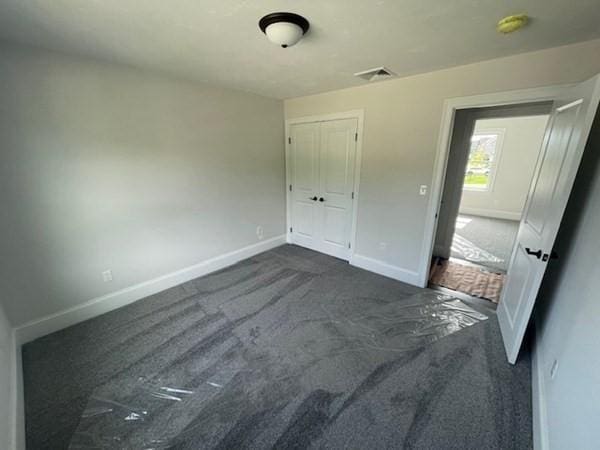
(107,275)
(259,232)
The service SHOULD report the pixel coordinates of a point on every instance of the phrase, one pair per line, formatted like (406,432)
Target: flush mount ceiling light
(283,28)
(512,23)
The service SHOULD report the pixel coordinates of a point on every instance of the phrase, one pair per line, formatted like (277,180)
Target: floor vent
(376,74)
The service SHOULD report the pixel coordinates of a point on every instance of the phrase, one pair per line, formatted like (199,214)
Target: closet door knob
(321,199)
(314,199)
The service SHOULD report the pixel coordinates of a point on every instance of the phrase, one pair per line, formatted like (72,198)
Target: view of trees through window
(481,161)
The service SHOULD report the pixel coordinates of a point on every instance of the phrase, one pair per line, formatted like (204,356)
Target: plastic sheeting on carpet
(136,411)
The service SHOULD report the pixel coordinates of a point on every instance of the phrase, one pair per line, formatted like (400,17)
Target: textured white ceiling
(218,41)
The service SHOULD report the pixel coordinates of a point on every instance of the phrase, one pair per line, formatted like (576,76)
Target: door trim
(450,107)
(358,114)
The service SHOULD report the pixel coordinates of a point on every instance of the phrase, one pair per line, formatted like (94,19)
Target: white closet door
(321,158)
(336,163)
(304,168)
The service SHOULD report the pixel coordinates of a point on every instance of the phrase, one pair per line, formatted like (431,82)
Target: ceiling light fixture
(283,28)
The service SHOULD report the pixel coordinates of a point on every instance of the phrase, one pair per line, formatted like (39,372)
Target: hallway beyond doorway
(484,241)
(480,254)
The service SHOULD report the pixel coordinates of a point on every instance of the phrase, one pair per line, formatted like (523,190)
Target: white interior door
(566,135)
(336,182)
(322,159)
(304,172)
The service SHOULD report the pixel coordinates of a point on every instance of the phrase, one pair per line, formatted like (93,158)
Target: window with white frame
(484,154)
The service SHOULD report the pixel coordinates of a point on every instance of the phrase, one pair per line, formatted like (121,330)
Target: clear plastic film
(143,415)
(465,249)
(429,316)
(192,397)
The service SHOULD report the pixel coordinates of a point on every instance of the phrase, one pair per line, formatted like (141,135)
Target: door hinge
(349,245)
(353,196)
(291,229)
(289,140)
(290,188)
(355,137)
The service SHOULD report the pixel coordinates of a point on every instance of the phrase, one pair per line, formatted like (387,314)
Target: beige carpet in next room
(467,278)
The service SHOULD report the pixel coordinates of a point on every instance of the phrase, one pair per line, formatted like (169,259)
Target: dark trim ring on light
(283,17)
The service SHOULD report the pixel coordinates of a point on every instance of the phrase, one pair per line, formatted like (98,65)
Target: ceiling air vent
(376,74)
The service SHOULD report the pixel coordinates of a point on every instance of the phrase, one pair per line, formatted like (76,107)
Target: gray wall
(106,167)
(568,315)
(464,123)
(402,121)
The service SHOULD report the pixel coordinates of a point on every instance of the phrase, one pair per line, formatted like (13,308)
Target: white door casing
(321,162)
(565,139)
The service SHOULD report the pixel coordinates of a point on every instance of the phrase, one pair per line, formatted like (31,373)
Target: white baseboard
(100,305)
(385,269)
(493,213)
(540,423)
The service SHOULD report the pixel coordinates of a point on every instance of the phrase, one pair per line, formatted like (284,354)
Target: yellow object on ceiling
(512,23)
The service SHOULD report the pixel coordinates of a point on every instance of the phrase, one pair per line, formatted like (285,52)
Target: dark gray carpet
(484,241)
(289,349)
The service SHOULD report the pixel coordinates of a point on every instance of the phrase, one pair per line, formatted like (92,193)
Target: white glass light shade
(285,34)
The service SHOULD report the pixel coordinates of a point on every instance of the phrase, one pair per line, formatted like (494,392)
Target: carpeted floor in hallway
(484,241)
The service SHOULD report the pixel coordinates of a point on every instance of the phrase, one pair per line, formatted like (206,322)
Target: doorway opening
(491,163)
